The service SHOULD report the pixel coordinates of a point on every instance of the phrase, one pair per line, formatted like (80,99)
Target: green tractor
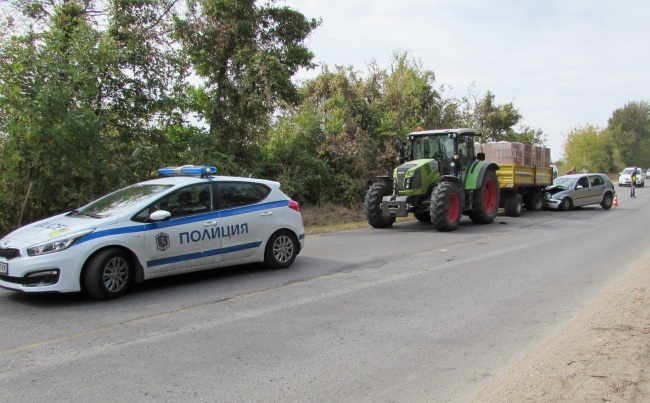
(439,179)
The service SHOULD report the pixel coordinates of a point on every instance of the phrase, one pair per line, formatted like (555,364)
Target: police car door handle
(266,214)
(210,223)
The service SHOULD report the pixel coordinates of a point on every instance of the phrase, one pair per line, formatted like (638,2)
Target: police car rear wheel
(281,250)
(108,274)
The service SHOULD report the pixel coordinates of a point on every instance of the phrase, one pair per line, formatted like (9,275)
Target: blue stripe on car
(199,255)
(183,220)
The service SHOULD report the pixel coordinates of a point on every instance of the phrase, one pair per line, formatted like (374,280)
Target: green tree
(630,130)
(246,54)
(591,147)
(84,108)
(498,122)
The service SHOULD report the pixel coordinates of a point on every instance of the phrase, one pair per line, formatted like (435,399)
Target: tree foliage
(94,95)
(246,54)
(630,132)
(591,147)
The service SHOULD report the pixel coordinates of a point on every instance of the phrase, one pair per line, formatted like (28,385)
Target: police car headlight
(56,245)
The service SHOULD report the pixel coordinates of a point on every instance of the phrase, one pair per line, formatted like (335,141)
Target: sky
(562,63)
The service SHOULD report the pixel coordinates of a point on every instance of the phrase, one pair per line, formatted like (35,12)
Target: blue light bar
(188,170)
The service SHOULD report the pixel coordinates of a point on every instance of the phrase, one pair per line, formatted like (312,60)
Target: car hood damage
(554,189)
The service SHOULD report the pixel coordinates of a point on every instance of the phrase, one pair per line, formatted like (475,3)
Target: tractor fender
(476,172)
(452,178)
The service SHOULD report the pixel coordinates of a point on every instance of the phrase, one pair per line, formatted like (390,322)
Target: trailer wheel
(535,202)
(486,200)
(372,205)
(513,205)
(445,207)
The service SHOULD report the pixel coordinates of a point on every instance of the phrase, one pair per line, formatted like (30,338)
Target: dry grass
(332,218)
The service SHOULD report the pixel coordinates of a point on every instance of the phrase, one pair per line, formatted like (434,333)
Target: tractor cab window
(438,147)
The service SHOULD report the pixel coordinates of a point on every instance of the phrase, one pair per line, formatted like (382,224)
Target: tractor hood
(414,177)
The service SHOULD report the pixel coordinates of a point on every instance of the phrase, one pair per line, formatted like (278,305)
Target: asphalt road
(404,314)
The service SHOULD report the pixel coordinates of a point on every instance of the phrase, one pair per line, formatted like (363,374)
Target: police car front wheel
(281,250)
(108,274)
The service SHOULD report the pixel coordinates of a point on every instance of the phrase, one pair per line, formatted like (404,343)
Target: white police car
(186,221)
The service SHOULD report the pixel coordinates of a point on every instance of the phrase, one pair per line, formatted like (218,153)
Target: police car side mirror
(160,215)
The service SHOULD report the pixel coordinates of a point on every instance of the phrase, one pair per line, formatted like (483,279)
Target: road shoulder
(601,356)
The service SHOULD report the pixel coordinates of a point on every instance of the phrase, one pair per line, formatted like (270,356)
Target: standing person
(584,169)
(633,183)
(571,171)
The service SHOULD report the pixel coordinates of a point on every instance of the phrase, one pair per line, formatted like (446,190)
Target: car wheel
(565,204)
(108,274)
(281,250)
(607,202)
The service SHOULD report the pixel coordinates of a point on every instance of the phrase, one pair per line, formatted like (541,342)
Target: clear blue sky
(563,63)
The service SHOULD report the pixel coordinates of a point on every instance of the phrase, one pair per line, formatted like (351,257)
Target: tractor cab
(441,146)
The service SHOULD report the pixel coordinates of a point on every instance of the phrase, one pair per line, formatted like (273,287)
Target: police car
(186,220)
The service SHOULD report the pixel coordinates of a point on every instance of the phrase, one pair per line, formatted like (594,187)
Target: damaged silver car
(579,190)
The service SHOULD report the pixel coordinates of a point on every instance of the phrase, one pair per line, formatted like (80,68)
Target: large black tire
(108,274)
(608,201)
(281,250)
(372,205)
(486,199)
(446,206)
(513,205)
(535,202)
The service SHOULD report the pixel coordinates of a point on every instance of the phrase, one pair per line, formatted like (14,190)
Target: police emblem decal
(162,241)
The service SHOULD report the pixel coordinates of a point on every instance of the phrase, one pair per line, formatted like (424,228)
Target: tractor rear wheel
(372,205)
(486,199)
(446,206)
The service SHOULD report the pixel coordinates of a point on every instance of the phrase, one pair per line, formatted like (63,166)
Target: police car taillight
(293,205)
(188,170)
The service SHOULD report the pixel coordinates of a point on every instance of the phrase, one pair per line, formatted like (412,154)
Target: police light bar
(188,170)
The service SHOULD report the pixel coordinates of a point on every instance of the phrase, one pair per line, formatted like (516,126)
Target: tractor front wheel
(372,205)
(446,206)
(486,199)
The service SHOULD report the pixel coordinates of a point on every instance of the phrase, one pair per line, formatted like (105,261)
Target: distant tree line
(95,95)
(625,142)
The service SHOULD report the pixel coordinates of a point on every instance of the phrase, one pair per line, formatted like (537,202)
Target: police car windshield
(120,201)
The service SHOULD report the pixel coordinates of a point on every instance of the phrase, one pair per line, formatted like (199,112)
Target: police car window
(233,194)
(189,200)
(262,190)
